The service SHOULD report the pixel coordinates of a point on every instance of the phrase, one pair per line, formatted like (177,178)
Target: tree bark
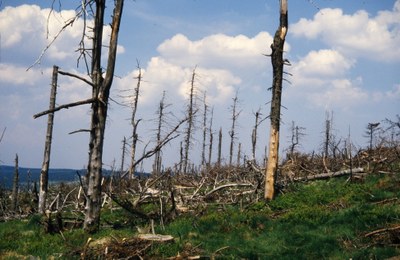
(277,68)
(101,91)
(44,173)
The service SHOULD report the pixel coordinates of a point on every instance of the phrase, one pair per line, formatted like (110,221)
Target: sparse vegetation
(332,218)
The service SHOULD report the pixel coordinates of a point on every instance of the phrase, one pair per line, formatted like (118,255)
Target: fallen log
(328,175)
(155,237)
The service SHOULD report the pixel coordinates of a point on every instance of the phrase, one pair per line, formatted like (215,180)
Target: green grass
(318,220)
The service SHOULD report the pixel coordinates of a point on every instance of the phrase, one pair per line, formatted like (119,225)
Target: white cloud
(322,63)
(358,34)
(217,50)
(28,29)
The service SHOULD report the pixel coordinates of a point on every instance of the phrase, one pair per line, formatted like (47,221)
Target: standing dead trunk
(135,123)
(254,134)
(100,93)
(157,156)
(277,68)
(123,156)
(189,130)
(232,132)
(203,150)
(14,194)
(44,173)
(219,146)
(211,135)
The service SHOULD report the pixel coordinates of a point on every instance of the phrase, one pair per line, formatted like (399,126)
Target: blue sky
(345,58)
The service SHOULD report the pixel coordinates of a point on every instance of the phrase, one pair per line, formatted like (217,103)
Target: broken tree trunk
(100,92)
(328,175)
(44,173)
(277,68)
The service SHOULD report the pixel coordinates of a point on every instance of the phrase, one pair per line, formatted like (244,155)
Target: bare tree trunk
(232,132)
(101,91)
(210,146)
(203,150)
(135,123)
(239,154)
(44,173)
(254,134)
(328,134)
(14,194)
(157,157)
(219,146)
(277,67)
(123,156)
(189,130)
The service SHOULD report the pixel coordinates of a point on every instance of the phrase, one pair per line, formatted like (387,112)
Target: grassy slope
(322,219)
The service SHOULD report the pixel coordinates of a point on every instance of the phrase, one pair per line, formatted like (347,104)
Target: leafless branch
(66,106)
(75,76)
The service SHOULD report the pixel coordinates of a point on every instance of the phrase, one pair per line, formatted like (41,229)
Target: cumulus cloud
(218,59)
(28,29)
(321,78)
(358,34)
(217,50)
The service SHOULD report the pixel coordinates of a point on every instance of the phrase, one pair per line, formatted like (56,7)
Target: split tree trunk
(44,173)
(277,68)
(100,94)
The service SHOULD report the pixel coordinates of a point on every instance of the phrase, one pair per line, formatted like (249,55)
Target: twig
(381,231)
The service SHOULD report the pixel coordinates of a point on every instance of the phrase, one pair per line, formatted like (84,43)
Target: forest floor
(337,218)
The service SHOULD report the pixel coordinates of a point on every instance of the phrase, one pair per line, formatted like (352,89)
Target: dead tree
(239,154)
(232,132)
(328,134)
(44,173)
(135,124)
(191,111)
(14,194)
(211,137)
(101,82)
(277,68)
(296,135)
(123,155)
(203,149)
(219,146)
(370,133)
(255,131)
(161,119)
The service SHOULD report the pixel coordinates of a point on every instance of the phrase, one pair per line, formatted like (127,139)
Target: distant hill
(30,175)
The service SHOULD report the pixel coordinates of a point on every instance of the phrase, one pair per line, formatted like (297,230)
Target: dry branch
(66,106)
(330,175)
(382,230)
(75,76)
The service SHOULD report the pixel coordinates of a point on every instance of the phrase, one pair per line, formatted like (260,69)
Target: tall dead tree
(101,82)
(123,155)
(191,111)
(14,194)
(232,132)
(100,93)
(277,78)
(44,173)
(161,115)
(135,123)
(219,146)
(203,150)
(211,137)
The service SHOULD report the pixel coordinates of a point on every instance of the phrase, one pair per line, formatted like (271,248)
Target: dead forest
(166,192)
